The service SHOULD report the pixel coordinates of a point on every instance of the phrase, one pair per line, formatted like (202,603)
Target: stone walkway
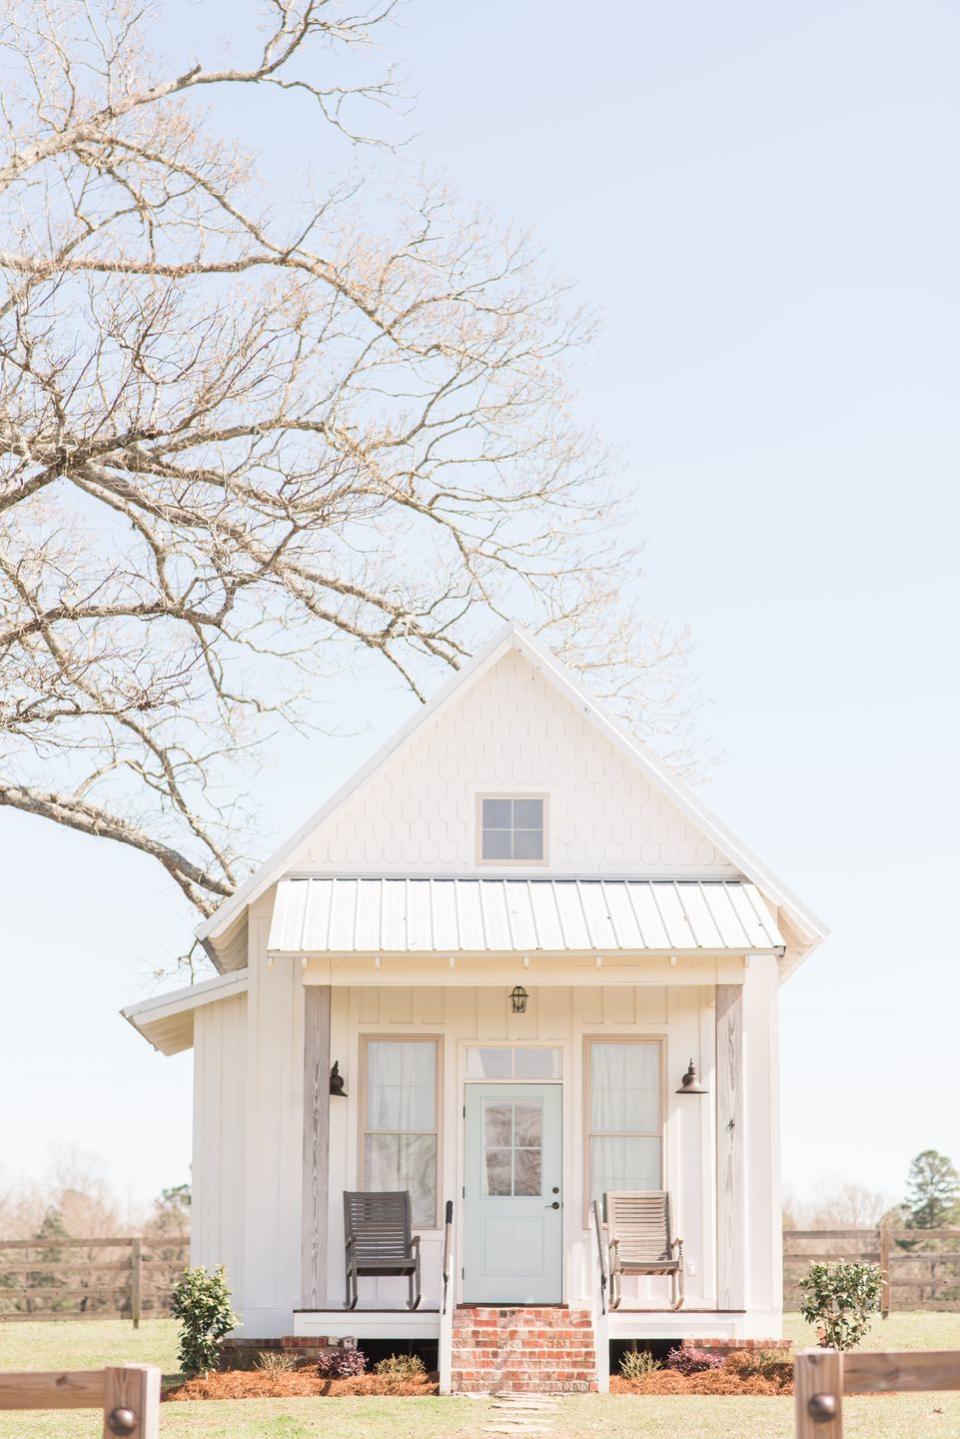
(522,1415)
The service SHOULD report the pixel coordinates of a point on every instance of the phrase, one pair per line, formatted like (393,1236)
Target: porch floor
(367,1322)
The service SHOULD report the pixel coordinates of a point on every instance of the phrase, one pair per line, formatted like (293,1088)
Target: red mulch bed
(711,1381)
(298,1383)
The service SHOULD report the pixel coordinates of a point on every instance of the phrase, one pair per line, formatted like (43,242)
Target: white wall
(248,1138)
(510,732)
(761,1083)
(564,1016)
(219,1129)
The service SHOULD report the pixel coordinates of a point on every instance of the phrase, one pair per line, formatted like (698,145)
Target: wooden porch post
(731,1177)
(316,1146)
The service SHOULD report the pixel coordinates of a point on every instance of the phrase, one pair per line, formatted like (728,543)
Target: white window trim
(589,1133)
(389,1037)
(513,863)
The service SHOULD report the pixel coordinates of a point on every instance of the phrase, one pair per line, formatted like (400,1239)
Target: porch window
(624,1115)
(400,1108)
(512,829)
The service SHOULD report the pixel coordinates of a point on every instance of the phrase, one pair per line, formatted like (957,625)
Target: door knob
(554,1205)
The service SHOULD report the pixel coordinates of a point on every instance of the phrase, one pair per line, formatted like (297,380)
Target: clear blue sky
(763,201)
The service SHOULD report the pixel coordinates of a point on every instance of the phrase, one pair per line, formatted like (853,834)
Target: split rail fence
(89,1278)
(821,1377)
(920,1267)
(129,1397)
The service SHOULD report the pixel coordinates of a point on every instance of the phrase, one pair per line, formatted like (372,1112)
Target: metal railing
(447,1254)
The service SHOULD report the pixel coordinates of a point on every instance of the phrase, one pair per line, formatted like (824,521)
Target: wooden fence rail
(821,1377)
(85,1279)
(129,1396)
(920,1267)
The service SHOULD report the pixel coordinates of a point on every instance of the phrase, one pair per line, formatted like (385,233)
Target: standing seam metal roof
(441,915)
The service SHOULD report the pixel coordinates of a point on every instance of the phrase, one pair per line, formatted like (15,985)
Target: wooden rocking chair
(639,1241)
(379,1242)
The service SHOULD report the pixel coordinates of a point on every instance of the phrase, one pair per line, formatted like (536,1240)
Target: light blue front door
(513,1171)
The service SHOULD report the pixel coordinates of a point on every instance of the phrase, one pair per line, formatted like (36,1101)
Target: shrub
(275,1361)
(201,1301)
(638,1362)
(839,1299)
(694,1361)
(773,1364)
(401,1366)
(341,1363)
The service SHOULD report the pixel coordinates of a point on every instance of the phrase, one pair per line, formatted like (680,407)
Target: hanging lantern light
(518,999)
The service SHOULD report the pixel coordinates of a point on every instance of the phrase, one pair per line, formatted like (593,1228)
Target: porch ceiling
(443,915)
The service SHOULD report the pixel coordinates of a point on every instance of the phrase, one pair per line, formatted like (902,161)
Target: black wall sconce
(336,1080)
(689,1083)
(518,999)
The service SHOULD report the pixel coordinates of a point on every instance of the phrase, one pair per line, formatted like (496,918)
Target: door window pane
(489,1063)
(400,1123)
(537,1063)
(513,1139)
(498,1126)
(527,1177)
(504,1062)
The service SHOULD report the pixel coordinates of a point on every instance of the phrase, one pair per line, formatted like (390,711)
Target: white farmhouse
(512,932)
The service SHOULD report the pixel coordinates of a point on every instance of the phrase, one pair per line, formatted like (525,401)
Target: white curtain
(625,1117)
(405,1161)
(402,1085)
(625,1088)
(402,1100)
(623,1163)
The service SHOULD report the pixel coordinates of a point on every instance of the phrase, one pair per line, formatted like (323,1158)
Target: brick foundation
(243,1353)
(523,1350)
(730,1346)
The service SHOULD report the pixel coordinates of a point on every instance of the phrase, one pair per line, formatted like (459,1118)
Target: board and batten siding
(219,1124)
(763,1193)
(248,1157)
(248,1139)
(682,1016)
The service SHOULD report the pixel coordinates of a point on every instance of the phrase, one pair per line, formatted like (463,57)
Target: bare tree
(837,1204)
(244,440)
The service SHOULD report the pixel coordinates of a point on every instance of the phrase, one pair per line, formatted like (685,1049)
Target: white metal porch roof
(396,915)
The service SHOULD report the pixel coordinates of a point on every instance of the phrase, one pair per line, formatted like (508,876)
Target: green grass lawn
(617,1416)
(89,1346)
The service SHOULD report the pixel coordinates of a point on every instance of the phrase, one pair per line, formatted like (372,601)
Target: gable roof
(166,1020)
(513,637)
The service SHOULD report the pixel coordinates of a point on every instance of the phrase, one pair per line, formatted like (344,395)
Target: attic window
(512,829)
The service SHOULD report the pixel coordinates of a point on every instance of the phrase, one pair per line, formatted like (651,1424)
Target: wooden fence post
(131,1402)
(136,1280)
(818,1385)
(885,1271)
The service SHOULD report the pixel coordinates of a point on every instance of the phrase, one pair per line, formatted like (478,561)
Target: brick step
(523,1350)
(527,1386)
(491,1358)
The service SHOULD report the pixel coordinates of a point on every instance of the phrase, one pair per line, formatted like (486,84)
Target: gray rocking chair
(379,1242)
(639,1240)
